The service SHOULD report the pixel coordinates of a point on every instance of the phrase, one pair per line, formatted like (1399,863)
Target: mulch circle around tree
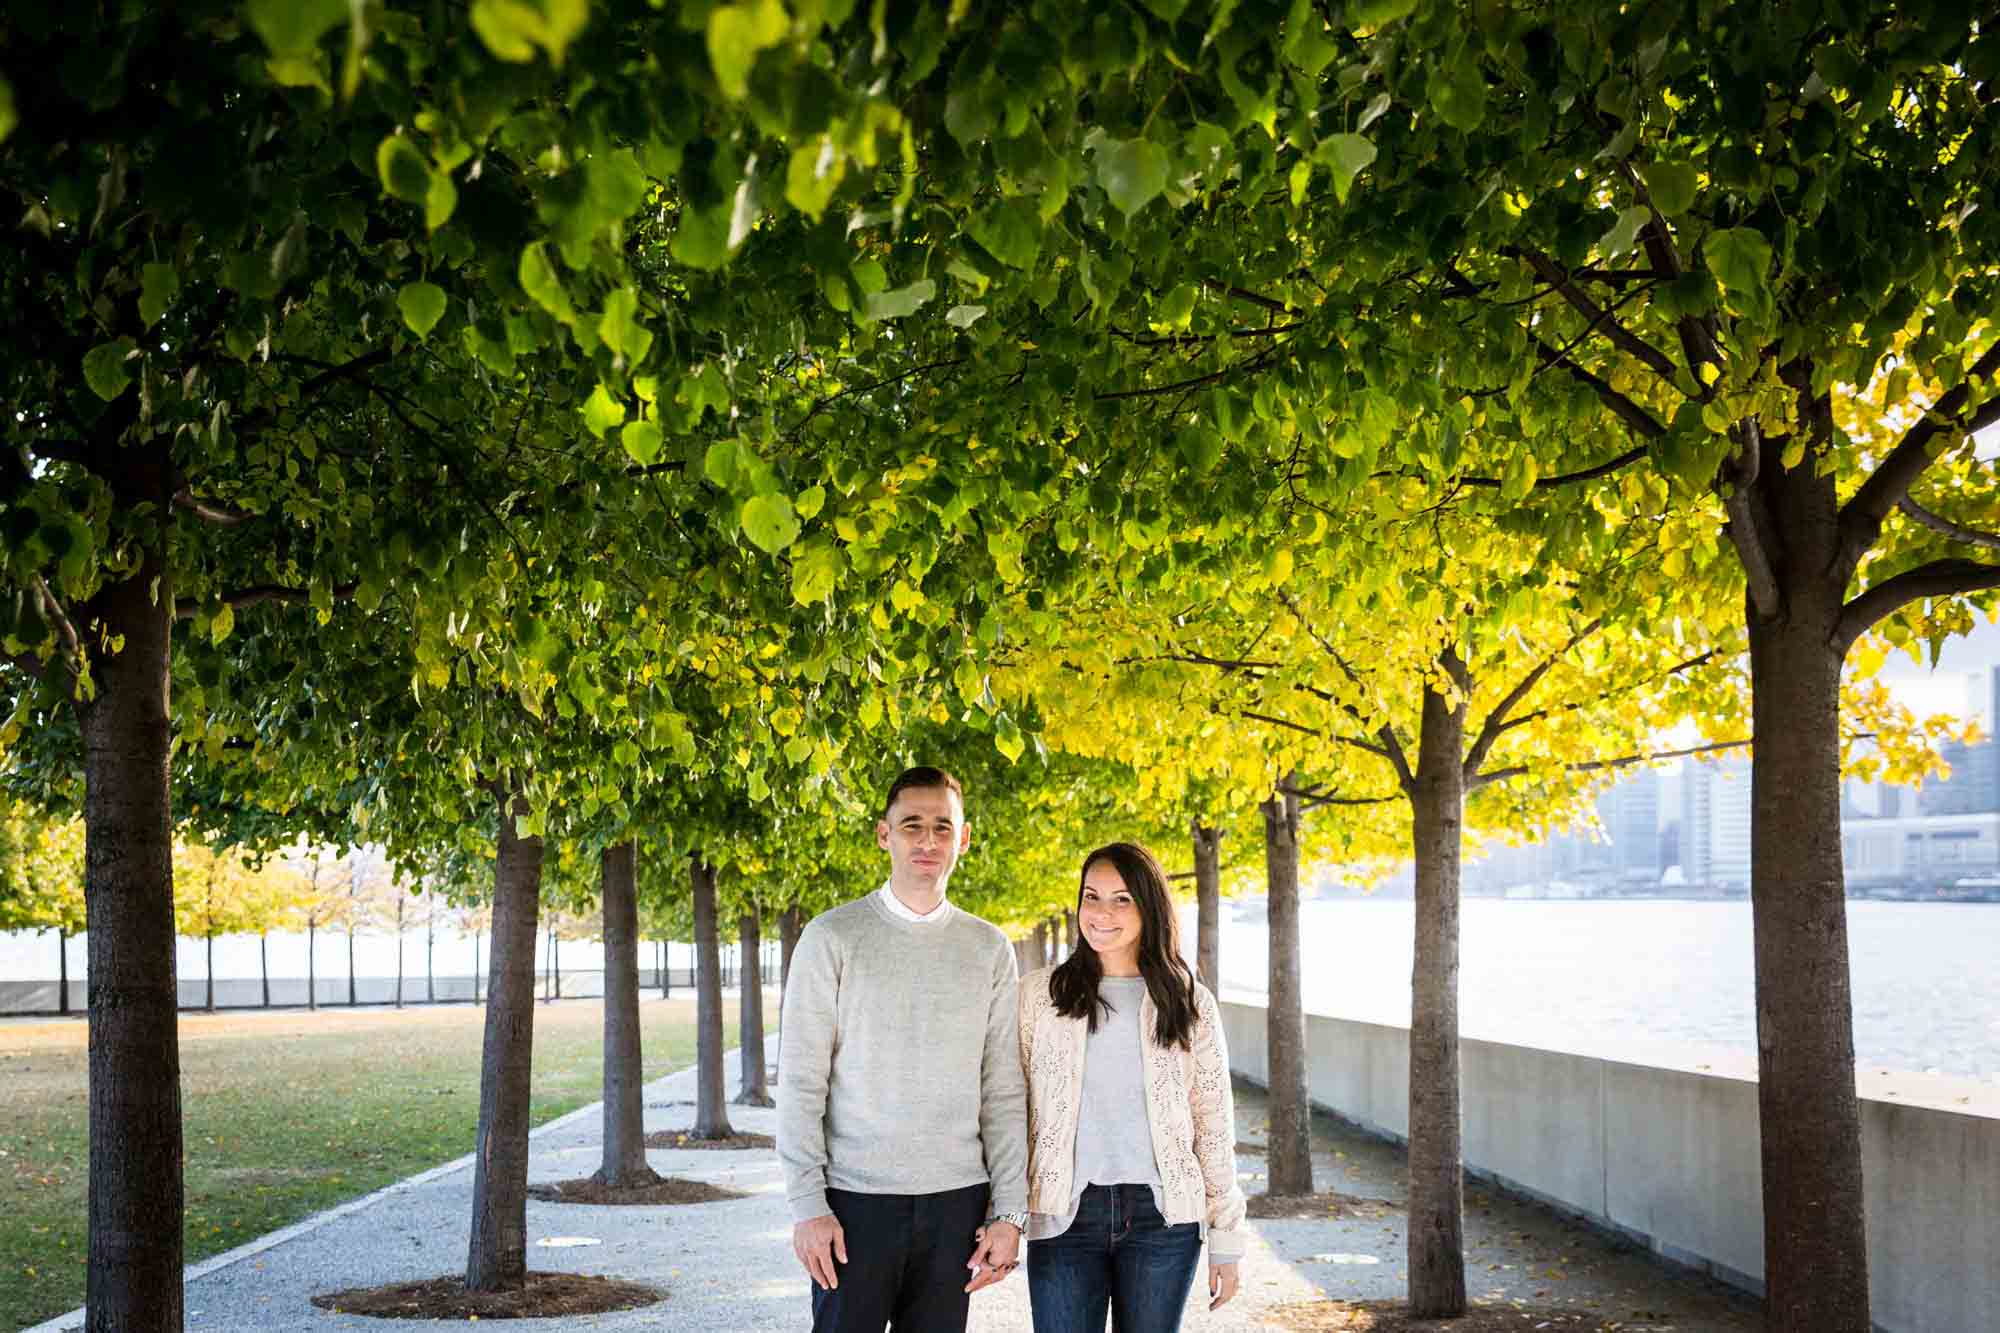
(1311,1207)
(543,1296)
(1394,1317)
(669,1189)
(681,1138)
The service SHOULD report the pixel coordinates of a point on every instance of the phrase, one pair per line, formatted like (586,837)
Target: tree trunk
(624,1161)
(353,993)
(208,1001)
(497,1259)
(555,961)
(666,986)
(753,1090)
(1208,905)
(62,972)
(711,1119)
(1437,1173)
(135,1195)
(1290,1138)
(312,964)
(399,951)
(1815,1242)
(1042,943)
(790,922)
(430,953)
(264,963)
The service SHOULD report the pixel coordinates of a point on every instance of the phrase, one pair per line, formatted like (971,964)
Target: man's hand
(819,1243)
(994,1258)
(1221,1283)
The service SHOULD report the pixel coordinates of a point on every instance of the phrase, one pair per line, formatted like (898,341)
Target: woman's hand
(1221,1283)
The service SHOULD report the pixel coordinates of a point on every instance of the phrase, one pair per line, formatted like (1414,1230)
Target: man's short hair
(921,776)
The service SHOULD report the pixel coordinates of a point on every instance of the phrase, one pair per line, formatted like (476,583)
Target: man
(902,1115)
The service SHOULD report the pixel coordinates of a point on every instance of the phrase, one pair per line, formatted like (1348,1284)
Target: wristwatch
(1019,1221)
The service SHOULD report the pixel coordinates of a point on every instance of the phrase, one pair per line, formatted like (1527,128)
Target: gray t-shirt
(1114,1140)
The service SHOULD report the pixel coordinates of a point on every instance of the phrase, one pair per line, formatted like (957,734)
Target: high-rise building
(1715,822)
(1630,813)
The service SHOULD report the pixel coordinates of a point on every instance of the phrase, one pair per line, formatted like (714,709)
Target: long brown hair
(1073,985)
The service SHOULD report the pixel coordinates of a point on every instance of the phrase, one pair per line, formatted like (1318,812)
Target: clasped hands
(820,1245)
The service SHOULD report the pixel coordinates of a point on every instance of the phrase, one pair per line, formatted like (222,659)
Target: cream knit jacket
(1190,1112)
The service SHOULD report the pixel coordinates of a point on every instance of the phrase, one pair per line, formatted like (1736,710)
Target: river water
(1593,975)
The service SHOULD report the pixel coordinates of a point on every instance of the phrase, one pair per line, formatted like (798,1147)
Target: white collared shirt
(901,910)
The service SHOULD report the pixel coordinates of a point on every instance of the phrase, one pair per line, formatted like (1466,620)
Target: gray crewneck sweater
(898,1067)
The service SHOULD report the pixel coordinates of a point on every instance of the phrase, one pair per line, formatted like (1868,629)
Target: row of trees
(586,454)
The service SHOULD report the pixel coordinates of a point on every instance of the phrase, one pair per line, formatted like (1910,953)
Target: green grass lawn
(286,1113)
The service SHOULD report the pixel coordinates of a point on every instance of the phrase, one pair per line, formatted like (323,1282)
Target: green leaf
(514,29)
(810,501)
(1459,93)
(1200,448)
(816,570)
(9,116)
(1740,258)
(1010,231)
(642,441)
(602,412)
(405,172)
(159,284)
(736,34)
(964,316)
(1007,738)
(813,174)
(440,201)
(900,302)
(222,623)
(768,521)
(702,239)
(1374,13)
(620,327)
(294,27)
(104,368)
(1345,155)
(1624,233)
(1133,172)
(422,304)
(538,279)
(1671,186)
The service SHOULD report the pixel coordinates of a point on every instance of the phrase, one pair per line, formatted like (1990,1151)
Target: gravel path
(727,1266)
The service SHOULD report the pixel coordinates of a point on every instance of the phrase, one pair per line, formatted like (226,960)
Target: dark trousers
(1118,1253)
(906,1257)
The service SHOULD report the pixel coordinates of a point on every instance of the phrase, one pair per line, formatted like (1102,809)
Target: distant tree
(41,881)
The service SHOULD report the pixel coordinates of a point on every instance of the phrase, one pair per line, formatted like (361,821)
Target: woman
(1131,1124)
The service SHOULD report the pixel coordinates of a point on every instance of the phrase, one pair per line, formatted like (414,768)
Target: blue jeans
(1118,1253)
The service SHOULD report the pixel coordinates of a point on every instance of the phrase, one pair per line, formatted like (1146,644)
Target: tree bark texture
(135,1203)
(62,972)
(264,964)
(1042,944)
(666,985)
(497,1258)
(208,996)
(1437,1194)
(790,922)
(624,1162)
(711,1118)
(430,954)
(753,1089)
(1208,905)
(1815,1240)
(353,994)
(1290,1143)
(399,951)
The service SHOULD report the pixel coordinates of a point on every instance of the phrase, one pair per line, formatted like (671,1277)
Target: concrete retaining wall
(1665,1150)
(40,997)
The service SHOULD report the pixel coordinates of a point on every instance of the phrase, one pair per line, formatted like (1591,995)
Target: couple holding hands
(934,1113)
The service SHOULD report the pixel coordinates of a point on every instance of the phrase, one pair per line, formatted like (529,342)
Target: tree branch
(1274,306)
(208,511)
(185,607)
(1335,737)
(1495,723)
(1604,469)
(1642,422)
(1526,719)
(53,612)
(1258,362)
(1598,765)
(1599,316)
(1312,800)
(1939,578)
(1862,516)
(1945,527)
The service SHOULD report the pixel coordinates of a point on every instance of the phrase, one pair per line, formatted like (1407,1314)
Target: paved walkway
(727,1267)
